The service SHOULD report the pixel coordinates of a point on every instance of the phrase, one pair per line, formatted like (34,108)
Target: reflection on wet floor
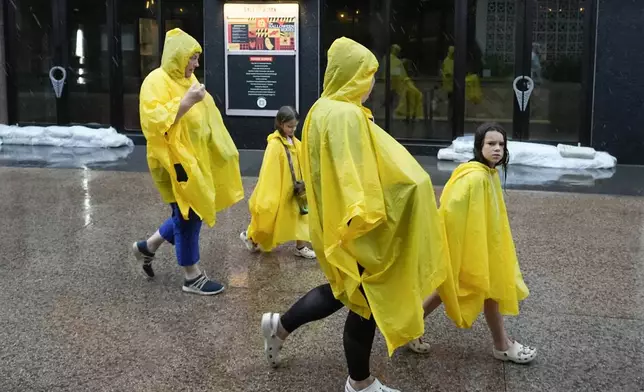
(624,180)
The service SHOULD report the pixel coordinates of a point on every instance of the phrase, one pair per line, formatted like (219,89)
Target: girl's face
(493,147)
(289,127)
(193,64)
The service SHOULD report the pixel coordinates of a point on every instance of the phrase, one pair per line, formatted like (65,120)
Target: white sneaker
(517,353)
(250,245)
(376,386)
(304,252)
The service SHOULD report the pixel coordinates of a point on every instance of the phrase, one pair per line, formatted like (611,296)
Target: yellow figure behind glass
(410,99)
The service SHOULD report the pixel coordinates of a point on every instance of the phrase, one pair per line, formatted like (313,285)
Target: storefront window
(491,42)
(141,43)
(556,53)
(422,35)
(364,22)
(140,48)
(33,58)
(89,62)
(188,16)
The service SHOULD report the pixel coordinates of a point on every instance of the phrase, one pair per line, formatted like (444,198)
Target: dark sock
(143,248)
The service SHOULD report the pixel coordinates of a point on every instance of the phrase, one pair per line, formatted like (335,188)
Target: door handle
(57,84)
(523,86)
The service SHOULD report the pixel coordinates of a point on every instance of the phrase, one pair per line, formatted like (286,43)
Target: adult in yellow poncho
(447,71)
(473,90)
(373,221)
(485,273)
(192,159)
(276,216)
(410,99)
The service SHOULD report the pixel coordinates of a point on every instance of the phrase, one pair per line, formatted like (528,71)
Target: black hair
(284,115)
(479,139)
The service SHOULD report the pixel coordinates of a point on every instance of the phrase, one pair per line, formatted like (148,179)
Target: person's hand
(195,94)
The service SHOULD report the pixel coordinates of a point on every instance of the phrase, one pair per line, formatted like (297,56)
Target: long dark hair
(479,139)
(284,115)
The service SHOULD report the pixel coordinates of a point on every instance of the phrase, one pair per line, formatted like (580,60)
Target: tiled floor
(75,316)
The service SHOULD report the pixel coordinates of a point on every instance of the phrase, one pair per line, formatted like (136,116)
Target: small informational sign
(261,58)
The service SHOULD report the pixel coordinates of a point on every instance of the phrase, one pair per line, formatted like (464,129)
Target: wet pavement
(75,315)
(624,180)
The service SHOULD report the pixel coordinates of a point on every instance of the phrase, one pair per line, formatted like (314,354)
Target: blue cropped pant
(184,235)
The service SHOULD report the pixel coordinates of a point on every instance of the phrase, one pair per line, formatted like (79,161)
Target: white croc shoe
(418,346)
(305,252)
(517,353)
(376,386)
(272,344)
(250,245)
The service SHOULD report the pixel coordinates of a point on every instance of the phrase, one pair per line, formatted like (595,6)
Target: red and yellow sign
(251,27)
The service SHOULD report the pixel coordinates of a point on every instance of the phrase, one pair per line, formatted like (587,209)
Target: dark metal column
(11,40)
(588,73)
(161,25)
(526,10)
(116,64)
(460,67)
(60,34)
(388,92)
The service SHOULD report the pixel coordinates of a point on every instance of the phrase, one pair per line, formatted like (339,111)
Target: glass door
(556,44)
(495,31)
(31,56)
(524,67)
(58,61)
(85,54)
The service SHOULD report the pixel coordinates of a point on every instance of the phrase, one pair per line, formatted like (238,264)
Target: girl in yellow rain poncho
(373,221)
(192,159)
(276,216)
(485,271)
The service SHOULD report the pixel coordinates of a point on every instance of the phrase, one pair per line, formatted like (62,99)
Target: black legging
(359,333)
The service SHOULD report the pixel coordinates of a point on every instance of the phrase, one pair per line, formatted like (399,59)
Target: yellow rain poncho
(275,215)
(370,203)
(410,99)
(473,91)
(198,142)
(447,71)
(484,261)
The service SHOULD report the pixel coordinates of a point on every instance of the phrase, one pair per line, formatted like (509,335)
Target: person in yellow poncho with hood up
(276,215)
(410,99)
(192,158)
(485,273)
(373,222)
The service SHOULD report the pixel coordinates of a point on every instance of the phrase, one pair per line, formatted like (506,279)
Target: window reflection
(421,69)
(140,52)
(141,46)
(556,62)
(188,16)
(88,71)
(364,22)
(34,57)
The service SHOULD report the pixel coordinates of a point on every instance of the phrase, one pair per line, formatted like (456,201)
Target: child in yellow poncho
(276,216)
(192,159)
(373,221)
(485,273)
